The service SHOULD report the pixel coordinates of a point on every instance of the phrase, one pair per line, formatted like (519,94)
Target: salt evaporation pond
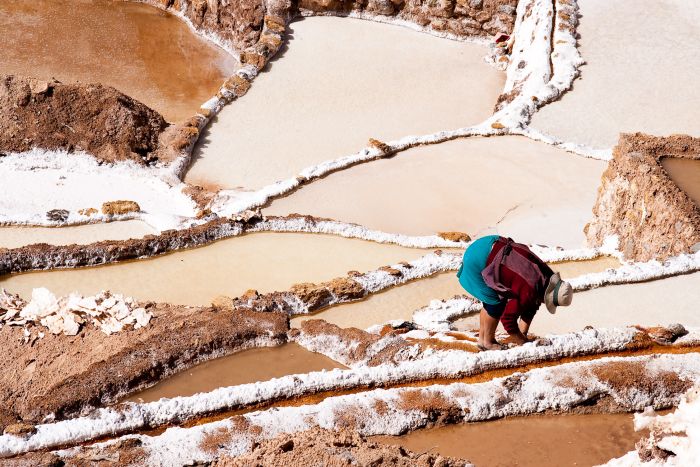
(508,185)
(640,73)
(262,261)
(686,174)
(142,51)
(339,82)
(533,441)
(399,303)
(13,237)
(248,366)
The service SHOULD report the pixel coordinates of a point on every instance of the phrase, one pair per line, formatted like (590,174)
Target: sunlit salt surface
(508,185)
(244,367)
(399,303)
(263,261)
(13,237)
(339,82)
(142,51)
(640,75)
(533,441)
(686,174)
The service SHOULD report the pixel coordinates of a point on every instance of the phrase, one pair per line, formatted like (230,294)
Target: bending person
(511,282)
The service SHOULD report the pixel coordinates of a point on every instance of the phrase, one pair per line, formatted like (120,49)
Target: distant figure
(511,282)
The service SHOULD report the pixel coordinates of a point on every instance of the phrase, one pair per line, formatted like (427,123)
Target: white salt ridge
(678,433)
(65,315)
(79,181)
(431,364)
(520,394)
(438,315)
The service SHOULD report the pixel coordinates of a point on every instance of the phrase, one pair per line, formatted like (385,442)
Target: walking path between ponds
(535,440)
(263,261)
(399,303)
(249,366)
(641,60)
(339,82)
(509,185)
(686,174)
(142,51)
(14,237)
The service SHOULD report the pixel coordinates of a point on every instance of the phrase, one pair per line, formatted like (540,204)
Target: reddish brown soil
(76,117)
(462,18)
(639,202)
(63,374)
(329,448)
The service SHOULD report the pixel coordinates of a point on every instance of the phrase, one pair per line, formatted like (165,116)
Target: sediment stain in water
(142,51)
(339,82)
(244,367)
(262,261)
(481,186)
(686,174)
(399,303)
(14,237)
(535,440)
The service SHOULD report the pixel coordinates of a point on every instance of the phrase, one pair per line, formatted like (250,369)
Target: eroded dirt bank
(62,375)
(74,117)
(638,201)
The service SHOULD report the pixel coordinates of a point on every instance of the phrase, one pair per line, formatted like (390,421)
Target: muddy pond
(142,51)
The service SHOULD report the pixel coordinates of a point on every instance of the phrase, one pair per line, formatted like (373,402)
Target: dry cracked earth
(230,231)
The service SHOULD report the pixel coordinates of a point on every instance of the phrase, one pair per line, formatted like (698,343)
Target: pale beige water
(244,367)
(686,174)
(508,185)
(13,237)
(262,261)
(144,52)
(399,303)
(536,440)
(340,82)
(665,301)
(642,63)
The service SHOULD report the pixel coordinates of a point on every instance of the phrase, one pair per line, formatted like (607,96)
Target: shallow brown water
(400,302)
(262,261)
(144,52)
(686,174)
(244,367)
(538,440)
(16,236)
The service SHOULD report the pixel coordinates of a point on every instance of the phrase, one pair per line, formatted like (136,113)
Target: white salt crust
(557,388)
(431,364)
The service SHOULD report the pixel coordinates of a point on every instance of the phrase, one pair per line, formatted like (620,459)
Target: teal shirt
(470,273)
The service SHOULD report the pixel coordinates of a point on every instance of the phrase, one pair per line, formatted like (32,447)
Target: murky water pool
(13,237)
(244,367)
(537,440)
(399,303)
(686,174)
(508,185)
(262,261)
(339,82)
(142,51)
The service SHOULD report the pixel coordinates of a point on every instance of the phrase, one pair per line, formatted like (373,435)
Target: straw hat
(558,293)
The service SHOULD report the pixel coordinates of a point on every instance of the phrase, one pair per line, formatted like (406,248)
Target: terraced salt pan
(686,174)
(531,441)
(640,73)
(144,52)
(339,82)
(399,303)
(13,237)
(508,185)
(244,367)
(262,261)
(665,301)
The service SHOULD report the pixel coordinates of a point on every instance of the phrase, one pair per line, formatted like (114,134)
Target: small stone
(497,125)
(455,236)
(57,215)
(392,271)
(38,86)
(111,208)
(20,429)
